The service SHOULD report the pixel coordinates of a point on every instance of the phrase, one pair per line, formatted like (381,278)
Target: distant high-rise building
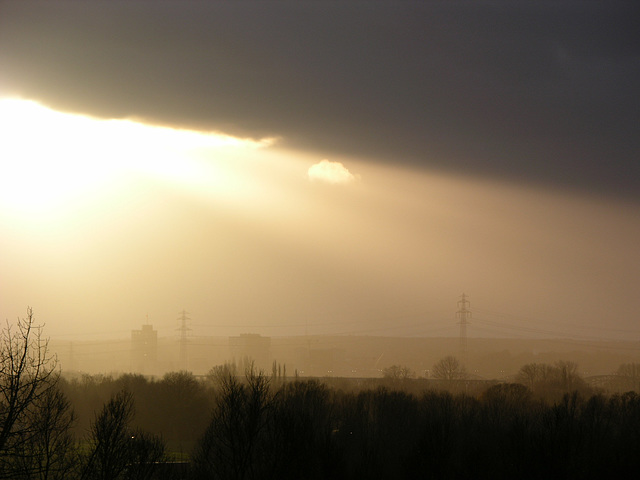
(144,349)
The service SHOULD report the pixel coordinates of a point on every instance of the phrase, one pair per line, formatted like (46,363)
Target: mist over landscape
(318,200)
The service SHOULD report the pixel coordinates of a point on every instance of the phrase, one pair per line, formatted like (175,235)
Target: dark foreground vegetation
(258,426)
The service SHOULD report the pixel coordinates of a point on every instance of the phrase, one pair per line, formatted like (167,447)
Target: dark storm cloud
(534,91)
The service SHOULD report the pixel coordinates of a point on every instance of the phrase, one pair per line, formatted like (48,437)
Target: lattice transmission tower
(183,329)
(463,315)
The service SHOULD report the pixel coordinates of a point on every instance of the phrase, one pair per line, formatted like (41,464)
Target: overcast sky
(485,147)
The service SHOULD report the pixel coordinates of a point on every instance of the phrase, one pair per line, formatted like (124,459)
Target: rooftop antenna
(464,315)
(183,329)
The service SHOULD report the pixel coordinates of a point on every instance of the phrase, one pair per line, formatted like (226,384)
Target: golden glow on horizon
(50,162)
(240,233)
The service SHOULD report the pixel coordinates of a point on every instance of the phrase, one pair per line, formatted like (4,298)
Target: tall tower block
(144,349)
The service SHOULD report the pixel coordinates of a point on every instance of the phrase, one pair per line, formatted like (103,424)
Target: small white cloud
(331,172)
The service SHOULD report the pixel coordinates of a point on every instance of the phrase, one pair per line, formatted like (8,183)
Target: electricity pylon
(464,315)
(183,338)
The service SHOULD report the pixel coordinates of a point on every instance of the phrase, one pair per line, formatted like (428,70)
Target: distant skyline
(286,168)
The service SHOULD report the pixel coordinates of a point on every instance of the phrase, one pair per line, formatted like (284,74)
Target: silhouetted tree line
(257,426)
(303,429)
(260,426)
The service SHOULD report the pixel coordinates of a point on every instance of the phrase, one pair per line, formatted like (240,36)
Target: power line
(537,321)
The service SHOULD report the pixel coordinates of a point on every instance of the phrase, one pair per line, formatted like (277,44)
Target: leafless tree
(449,369)
(631,372)
(234,439)
(47,451)
(110,439)
(118,451)
(146,453)
(217,374)
(552,381)
(398,372)
(567,375)
(532,374)
(27,376)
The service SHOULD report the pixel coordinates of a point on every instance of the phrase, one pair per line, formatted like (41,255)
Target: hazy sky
(321,167)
